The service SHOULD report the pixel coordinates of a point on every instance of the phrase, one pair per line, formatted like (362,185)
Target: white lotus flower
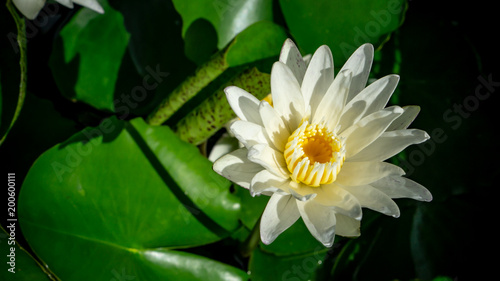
(319,150)
(31,8)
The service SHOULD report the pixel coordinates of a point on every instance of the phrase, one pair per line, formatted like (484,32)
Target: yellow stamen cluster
(314,154)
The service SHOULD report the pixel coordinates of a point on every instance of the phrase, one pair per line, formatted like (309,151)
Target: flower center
(314,154)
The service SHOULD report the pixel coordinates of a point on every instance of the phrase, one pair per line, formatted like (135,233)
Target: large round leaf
(119,198)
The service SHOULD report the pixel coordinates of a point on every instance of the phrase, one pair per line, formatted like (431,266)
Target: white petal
(29,8)
(331,106)
(299,197)
(368,129)
(291,56)
(403,121)
(372,198)
(389,144)
(265,181)
(270,159)
(359,63)
(339,199)
(399,187)
(67,3)
(371,99)
(318,78)
(249,134)
(237,168)
(91,4)
(244,104)
(347,226)
(320,220)
(302,189)
(223,146)
(280,213)
(287,98)
(274,126)
(362,173)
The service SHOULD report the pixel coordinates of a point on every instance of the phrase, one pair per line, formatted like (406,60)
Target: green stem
(21,41)
(252,240)
(203,75)
(214,112)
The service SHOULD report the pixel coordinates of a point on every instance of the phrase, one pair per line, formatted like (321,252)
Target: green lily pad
(123,199)
(268,267)
(228,17)
(87,56)
(259,41)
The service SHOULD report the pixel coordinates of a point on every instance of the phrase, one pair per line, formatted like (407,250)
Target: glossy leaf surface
(138,213)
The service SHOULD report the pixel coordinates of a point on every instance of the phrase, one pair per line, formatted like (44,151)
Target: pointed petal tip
(288,41)
(263,103)
(365,50)
(424,195)
(324,50)
(426,136)
(427,197)
(394,77)
(324,47)
(327,240)
(287,45)
(217,167)
(423,198)
(229,89)
(396,215)
(278,64)
(99,9)
(265,242)
(420,193)
(328,244)
(265,238)
(368,47)
(91,4)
